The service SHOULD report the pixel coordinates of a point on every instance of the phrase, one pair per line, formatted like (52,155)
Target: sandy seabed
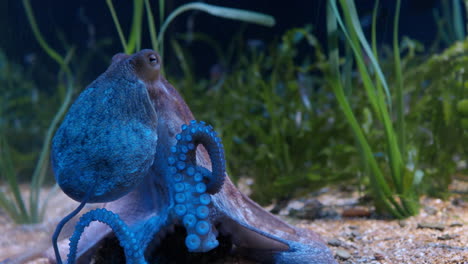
(352,240)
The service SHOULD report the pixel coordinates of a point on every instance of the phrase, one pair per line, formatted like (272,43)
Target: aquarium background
(82,23)
(273,93)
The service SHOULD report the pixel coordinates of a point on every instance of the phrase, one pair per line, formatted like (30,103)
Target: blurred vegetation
(439,138)
(450,22)
(282,126)
(280,107)
(12,199)
(277,119)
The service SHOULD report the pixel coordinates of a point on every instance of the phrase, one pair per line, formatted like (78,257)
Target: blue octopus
(130,142)
(192,188)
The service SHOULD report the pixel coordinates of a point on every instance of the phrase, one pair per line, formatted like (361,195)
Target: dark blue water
(82,24)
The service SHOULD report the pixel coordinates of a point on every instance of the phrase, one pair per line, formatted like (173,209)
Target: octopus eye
(153,59)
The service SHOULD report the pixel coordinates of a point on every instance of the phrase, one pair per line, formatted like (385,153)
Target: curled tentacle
(133,252)
(200,133)
(193,184)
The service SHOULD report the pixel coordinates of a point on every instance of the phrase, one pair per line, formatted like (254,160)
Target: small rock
(279,206)
(347,188)
(355,233)
(343,254)
(430,210)
(437,226)
(329,213)
(365,199)
(309,209)
(446,237)
(456,224)
(378,256)
(458,202)
(335,242)
(402,223)
(296,205)
(356,212)
(353,227)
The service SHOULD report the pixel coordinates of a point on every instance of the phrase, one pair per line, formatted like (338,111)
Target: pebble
(329,213)
(430,210)
(335,242)
(355,212)
(379,256)
(446,237)
(355,233)
(310,209)
(402,223)
(456,224)
(343,254)
(437,226)
(458,202)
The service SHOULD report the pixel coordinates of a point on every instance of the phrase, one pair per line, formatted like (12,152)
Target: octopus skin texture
(131,143)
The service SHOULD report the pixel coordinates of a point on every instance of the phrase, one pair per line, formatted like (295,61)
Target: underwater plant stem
(224,12)
(381,188)
(354,43)
(117,25)
(352,18)
(51,193)
(151,27)
(380,100)
(378,84)
(405,184)
(458,20)
(161,11)
(37,34)
(374,29)
(6,166)
(134,41)
(384,192)
(188,77)
(41,166)
(10,208)
(466,12)
(399,83)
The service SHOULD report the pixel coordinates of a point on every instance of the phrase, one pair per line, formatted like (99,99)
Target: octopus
(130,142)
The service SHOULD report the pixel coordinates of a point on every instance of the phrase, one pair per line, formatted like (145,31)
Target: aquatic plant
(276,116)
(388,109)
(15,206)
(436,94)
(450,23)
(395,194)
(462,108)
(157,41)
